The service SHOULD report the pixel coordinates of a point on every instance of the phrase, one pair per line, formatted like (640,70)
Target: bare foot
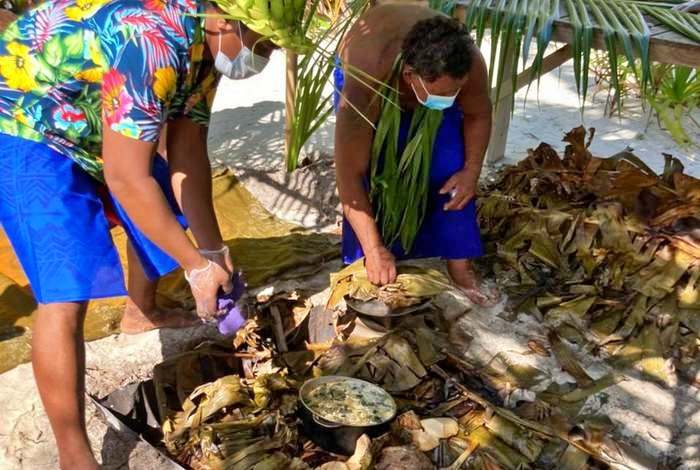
(79,458)
(87,463)
(464,276)
(137,321)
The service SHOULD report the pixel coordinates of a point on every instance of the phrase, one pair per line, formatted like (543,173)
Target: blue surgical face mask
(436,102)
(244,65)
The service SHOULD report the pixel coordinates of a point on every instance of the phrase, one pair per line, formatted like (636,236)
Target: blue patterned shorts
(52,214)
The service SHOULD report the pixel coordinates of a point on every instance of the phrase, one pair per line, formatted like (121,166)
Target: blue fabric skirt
(53,215)
(444,234)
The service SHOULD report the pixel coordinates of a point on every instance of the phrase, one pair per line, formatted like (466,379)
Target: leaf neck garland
(399,183)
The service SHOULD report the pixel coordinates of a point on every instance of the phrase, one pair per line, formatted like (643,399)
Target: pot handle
(322,422)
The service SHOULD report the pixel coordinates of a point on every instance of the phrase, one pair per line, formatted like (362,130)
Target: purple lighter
(231,318)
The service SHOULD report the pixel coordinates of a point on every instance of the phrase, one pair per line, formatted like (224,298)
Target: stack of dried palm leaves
(603,250)
(451,414)
(233,424)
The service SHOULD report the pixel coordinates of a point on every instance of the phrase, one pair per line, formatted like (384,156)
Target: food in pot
(351,403)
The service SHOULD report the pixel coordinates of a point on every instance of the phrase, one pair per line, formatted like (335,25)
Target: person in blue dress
(442,69)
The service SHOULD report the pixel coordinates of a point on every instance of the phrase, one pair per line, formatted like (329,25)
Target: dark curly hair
(438,46)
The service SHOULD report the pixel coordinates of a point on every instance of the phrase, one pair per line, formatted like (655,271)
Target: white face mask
(244,65)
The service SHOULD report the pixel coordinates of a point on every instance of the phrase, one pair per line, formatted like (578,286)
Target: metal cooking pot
(333,436)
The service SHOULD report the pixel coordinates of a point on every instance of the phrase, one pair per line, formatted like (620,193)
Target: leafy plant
(676,95)
(312,99)
(629,86)
(672,97)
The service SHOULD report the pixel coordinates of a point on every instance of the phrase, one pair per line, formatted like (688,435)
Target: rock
(409,420)
(403,427)
(441,428)
(424,441)
(403,457)
(362,458)
(334,466)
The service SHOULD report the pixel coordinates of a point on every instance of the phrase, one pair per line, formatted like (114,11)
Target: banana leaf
(568,361)
(411,283)
(496,449)
(206,401)
(516,437)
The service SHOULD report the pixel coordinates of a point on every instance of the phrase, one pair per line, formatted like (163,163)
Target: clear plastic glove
(222,257)
(205,284)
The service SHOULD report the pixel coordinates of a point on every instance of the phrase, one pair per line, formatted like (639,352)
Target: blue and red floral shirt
(138,63)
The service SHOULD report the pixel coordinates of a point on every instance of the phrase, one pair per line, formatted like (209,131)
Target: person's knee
(62,315)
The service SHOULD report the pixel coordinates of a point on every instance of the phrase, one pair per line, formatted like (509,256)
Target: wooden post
(501,118)
(290,91)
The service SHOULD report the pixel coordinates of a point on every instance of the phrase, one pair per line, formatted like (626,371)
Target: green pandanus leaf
(400,181)
(533,23)
(634,21)
(586,49)
(482,22)
(547,13)
(577,43)
(475,18)
(498,15)
(507,52)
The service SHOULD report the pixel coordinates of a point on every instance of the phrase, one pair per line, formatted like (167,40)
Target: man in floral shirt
(86,87)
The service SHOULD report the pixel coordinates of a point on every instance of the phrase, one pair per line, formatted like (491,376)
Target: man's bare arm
(477,116)
(191,177)
(359,106)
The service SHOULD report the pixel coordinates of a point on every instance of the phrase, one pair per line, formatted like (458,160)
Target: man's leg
(58,359)
(141,312)
(465,277)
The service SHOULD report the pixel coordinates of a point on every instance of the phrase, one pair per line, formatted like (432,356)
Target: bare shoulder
(479,71)
(374,41)
(474,97)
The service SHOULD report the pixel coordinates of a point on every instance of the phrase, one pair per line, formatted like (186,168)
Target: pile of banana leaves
(602,250)
(232,405)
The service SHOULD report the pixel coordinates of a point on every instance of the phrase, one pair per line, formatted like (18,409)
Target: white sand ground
(247,135)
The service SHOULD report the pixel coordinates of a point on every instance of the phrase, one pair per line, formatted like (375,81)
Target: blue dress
(444,234)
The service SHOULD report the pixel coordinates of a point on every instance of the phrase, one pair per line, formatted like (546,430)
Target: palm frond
(312,100)
(624,24)
(685,24)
